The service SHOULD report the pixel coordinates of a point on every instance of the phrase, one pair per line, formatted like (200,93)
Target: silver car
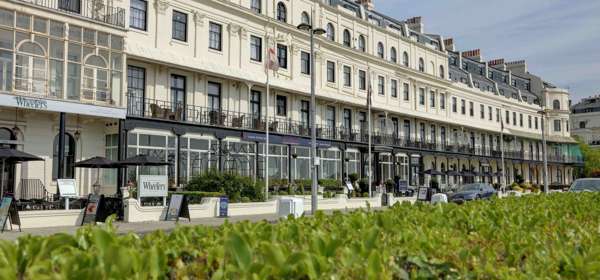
(586,185)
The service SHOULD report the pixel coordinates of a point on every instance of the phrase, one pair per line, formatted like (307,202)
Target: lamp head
(319,31)
(304,27)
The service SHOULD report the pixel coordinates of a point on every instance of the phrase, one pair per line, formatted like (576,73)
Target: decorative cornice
(161,6)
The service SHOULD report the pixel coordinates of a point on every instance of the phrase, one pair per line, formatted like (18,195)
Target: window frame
(182,23)
(215,36)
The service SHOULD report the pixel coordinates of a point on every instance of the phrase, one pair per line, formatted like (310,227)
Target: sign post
(67,189)
(153,186)
(178,208)
(223,207)
(8,210)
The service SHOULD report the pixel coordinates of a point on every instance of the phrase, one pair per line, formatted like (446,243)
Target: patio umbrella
(13,156)
(96,162)
(452,173)
(433,172)
(467,174)
(142,160)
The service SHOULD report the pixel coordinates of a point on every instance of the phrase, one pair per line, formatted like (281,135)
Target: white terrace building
(62,71)
(196,92)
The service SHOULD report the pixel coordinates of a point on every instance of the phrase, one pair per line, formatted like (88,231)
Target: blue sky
(559,39)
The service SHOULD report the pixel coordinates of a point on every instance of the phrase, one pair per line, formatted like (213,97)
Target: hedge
(195,197)
(532,237)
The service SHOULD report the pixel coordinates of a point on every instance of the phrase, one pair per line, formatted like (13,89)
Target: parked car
(585,185)
(473,191)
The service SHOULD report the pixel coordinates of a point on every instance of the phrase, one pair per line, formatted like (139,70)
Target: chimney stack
(518,66)
(368,4)
(415,24)
(474,54)
(449,44)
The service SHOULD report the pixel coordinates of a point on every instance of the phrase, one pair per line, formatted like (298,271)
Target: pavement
(145,227)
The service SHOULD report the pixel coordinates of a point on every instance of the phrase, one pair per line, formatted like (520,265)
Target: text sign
(4,209)
(422,194)
(402,185)
(349,186)
(153,186)
(223,206)
(178,208)
(91,209)
(67,188)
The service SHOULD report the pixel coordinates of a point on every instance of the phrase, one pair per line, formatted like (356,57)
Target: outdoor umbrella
(13,156)
(467,174)
(452,173)
(97,162)
(433,172)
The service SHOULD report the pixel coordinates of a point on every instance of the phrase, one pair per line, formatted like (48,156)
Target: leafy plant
(556,239)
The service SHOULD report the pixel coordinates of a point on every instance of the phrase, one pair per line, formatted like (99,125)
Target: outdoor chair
(237,122)
(33,195)
(273,126)
(157,111)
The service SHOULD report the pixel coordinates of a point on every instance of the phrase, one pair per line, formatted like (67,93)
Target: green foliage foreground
(554,236)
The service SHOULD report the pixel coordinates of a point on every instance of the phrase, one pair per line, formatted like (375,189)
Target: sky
(559,39)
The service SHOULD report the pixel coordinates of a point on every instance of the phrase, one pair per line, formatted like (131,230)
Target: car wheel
(477,197)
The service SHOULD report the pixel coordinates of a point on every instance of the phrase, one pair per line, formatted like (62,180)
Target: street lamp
(313,135)
(544,149)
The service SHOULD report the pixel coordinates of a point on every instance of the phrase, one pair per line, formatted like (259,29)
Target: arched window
(432,67)
(405,59)
(305,18)
(393,55)
(442,73)
(556,104)
(256,6)
(281,12)
(421,65)
(95,79)
(69,161)
(330,32)
(362,46)
(31,68)
(347,38)
(380,51)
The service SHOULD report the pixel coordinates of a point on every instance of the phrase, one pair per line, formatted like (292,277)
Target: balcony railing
(97,10)
(174,111)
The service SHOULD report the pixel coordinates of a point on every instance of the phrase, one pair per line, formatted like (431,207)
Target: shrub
(556,239)
(330,184)
(233,185)
(195,197)
(363,185)
(353,177)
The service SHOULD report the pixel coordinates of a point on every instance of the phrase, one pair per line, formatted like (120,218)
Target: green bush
(304,185)
(195,197)
(353,177)
(233,185)
(556,239)
(330,184)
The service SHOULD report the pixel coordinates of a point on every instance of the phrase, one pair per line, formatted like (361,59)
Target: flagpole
(369,133)
(503,181)
(266,151)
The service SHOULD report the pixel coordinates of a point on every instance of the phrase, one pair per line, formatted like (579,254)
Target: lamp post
(313,135)
(544,149)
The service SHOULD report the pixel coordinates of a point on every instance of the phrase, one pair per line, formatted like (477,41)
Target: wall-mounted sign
(69,107)
(67,188)
(153,186)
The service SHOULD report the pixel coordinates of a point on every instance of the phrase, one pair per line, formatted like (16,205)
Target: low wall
(134,212)
(50,218)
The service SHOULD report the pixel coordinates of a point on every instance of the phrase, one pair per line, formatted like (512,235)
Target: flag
(272,60)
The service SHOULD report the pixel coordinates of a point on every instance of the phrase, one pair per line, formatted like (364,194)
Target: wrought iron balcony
(178,112)
(97,10)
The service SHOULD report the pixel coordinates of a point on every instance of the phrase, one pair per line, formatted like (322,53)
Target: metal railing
(166,110)
(97,10)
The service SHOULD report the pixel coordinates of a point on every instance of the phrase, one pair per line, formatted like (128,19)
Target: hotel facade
(185,81)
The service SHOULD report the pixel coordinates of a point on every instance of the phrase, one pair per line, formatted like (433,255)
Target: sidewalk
(139,228)
(146,227)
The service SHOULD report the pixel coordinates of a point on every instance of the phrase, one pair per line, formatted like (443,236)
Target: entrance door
(6,137)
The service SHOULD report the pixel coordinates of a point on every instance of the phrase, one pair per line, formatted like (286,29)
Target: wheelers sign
(152,186)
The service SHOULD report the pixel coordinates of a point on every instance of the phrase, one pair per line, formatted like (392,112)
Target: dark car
(472,191)
(586,185)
